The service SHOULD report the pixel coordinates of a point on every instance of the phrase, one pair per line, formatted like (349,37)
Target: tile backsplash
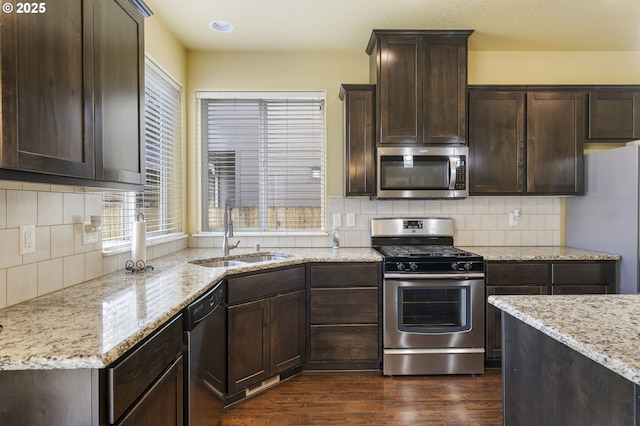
(60,259)
(479,221)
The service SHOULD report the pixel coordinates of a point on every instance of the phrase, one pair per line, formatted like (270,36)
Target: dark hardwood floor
(368,398)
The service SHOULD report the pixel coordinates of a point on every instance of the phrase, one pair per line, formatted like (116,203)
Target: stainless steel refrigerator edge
(606,218)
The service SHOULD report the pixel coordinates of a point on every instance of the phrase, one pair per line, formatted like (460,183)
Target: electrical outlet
(27,239)
(351,219)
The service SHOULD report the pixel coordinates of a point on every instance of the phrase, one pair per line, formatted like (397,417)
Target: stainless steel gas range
(433,298)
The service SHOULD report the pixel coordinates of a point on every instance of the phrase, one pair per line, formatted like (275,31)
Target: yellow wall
(278,72)
(325,71)
(554,68)
(166,51)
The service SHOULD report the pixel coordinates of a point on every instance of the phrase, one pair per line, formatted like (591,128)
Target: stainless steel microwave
(422,172)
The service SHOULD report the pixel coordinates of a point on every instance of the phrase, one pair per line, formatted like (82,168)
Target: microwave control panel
(461,172)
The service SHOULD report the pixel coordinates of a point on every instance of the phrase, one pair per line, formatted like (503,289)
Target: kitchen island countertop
(604,328)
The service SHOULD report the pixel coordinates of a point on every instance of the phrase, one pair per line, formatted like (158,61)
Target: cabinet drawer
(344,306)
(583,273)
(127,380)
(579,289)
(264,284)
(345,275)
(517,273)
(344,343)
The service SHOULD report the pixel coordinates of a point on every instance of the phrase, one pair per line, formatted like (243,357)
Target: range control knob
(400,266)
(467,266)
(455,266)
(413,266)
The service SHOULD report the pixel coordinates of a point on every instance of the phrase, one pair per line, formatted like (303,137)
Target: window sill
(123,248)
(262,234)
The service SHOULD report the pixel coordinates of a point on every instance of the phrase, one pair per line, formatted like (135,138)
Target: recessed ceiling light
(221,26)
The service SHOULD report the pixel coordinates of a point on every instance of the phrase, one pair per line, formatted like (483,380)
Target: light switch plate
(351,219)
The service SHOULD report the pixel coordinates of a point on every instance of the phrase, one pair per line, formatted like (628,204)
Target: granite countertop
(604,328)
(542,253)
(91,324)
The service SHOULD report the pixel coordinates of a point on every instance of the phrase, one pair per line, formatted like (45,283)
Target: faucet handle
(232,246)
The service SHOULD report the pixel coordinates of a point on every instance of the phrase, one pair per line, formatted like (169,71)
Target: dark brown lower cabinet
(163,404)
(538,278)
(143,387)
(266,337)
(266,326)
(344,318)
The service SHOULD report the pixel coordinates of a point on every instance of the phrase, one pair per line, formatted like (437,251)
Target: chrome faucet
(228,232)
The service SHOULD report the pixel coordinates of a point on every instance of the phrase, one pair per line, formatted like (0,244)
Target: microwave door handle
(453,161)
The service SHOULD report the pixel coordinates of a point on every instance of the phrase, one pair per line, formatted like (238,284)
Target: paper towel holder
(137,265)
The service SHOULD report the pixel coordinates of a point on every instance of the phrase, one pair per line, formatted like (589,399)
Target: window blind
(264,156)
(161,200)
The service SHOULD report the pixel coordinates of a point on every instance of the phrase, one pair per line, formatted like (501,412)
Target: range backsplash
(479,221)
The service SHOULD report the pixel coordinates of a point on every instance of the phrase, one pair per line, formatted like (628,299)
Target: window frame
(319,170)
(170,217)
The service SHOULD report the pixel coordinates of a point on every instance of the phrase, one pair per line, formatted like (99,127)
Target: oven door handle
(406,277)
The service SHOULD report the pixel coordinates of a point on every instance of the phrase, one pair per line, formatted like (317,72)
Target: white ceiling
(345,25)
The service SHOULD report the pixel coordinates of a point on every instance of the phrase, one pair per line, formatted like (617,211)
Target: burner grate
(424,251)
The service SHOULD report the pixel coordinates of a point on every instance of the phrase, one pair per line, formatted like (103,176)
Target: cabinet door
(249,337)
(493,336)
(614,115)
(555,137)
(47,90)
(287,331)
(496,142)
(445,90)
(119,73)
(162,404)
(399,95)
(359,131)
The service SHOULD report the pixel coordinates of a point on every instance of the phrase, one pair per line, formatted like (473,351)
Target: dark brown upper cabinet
(47,90)
(359,130)
(72,94)
(119,78)
(421,80)
(614,115)
(526,141)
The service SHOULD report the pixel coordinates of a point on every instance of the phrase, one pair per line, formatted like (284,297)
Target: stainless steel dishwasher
(205,327)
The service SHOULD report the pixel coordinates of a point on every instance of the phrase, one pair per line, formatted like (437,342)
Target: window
(161,201)
(264,156)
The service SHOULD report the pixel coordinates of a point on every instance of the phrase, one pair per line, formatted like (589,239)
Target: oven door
(426,312)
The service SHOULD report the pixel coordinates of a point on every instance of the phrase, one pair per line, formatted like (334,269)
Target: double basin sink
(241,260)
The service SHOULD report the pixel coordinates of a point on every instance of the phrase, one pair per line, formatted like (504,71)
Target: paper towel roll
(139,242)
